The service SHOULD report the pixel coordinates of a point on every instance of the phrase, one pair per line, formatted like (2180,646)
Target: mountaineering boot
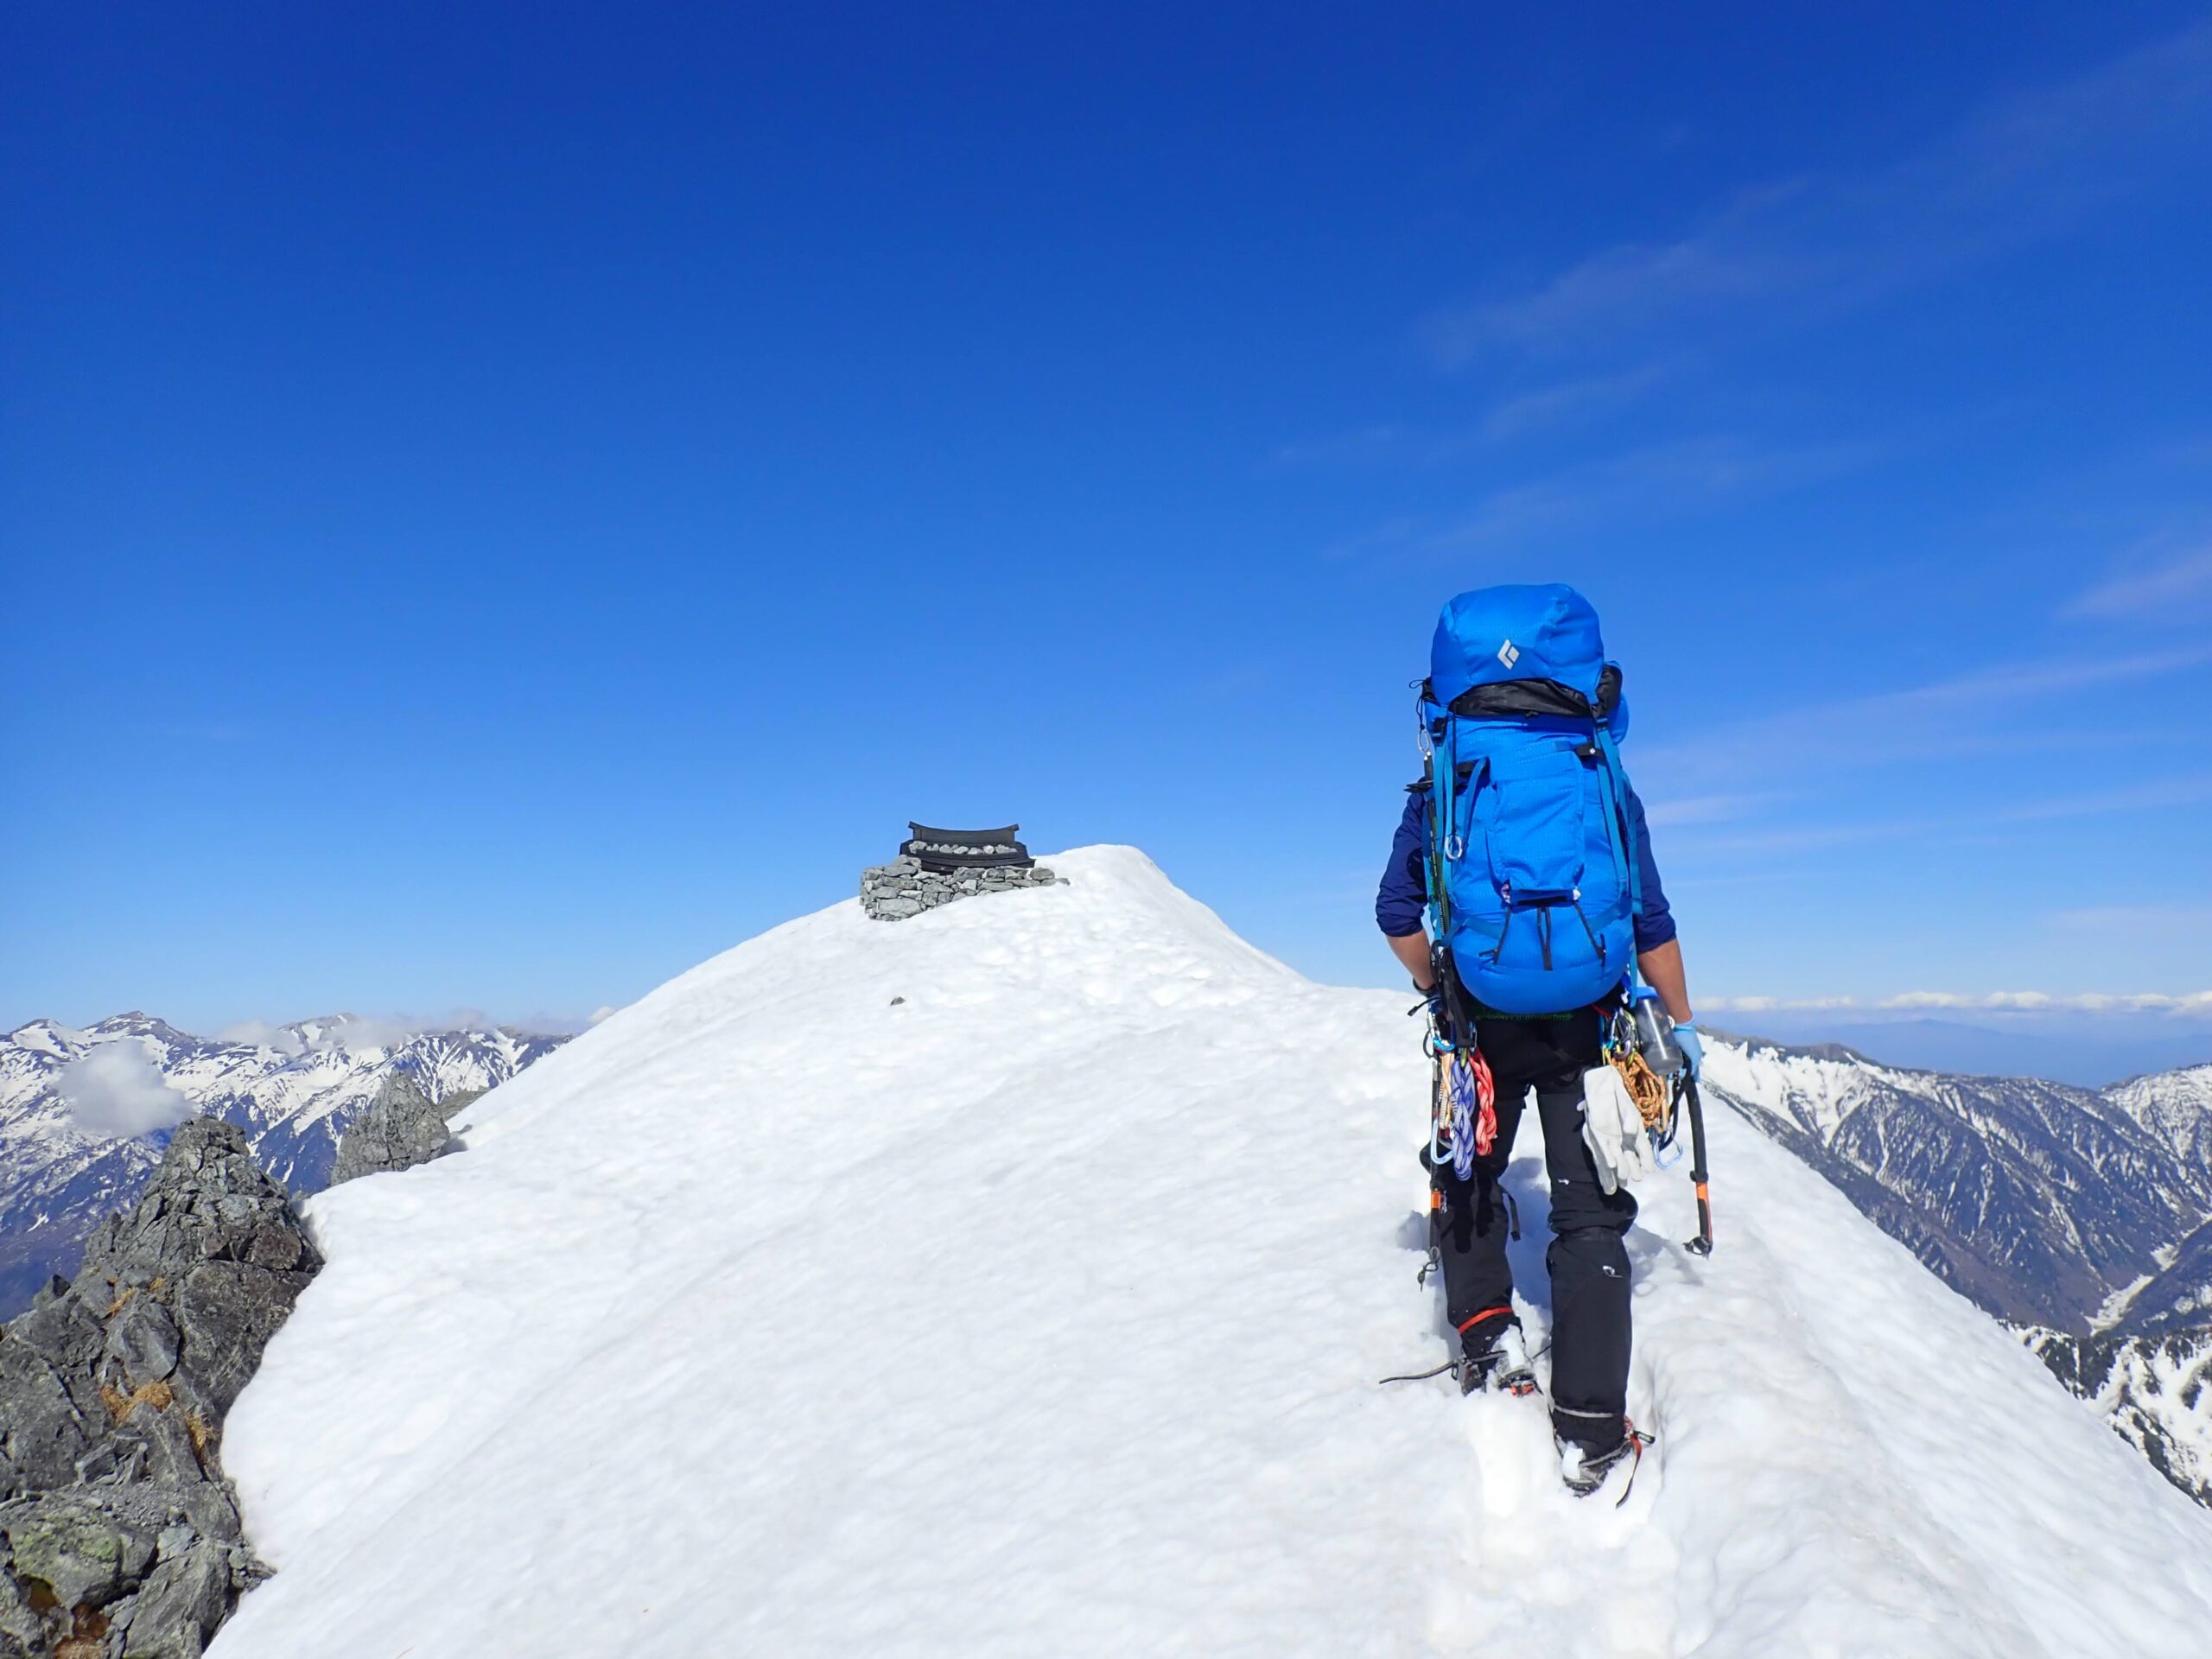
(1585,1470)
(1499,1362)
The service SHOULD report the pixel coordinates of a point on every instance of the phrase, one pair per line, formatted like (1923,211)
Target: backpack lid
(1546,632)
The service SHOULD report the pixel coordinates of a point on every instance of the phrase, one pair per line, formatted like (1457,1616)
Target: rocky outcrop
(122,1538)
(891,891)
(402,1128)
(459,1101)
(2155,1389)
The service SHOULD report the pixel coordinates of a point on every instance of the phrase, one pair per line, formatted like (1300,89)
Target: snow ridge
(1015,1279)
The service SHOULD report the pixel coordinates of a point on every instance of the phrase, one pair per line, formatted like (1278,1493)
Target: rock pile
(902,887)
(401,1128)
(121,1536)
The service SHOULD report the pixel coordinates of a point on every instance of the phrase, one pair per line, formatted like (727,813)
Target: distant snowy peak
(2175,1105)
(293,1089)
(49,1037)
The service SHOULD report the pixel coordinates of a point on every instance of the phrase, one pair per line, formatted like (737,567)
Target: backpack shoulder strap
(1626,860)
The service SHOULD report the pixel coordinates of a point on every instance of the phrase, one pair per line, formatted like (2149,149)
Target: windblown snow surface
(1041,1313)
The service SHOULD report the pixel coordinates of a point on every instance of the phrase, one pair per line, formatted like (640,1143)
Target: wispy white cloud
(361,1031)
(1538,409)
(1947,716)
(2182,1003)
(1568,401)
(352,1032)
(2022,169)
(1394,536)
(263,1034)
(115,1090)
(1701,809)
(1363,446)
(1655,482)
(2138,921)
(2167,590)
(1830,833)
(558,1025)
(2178,791)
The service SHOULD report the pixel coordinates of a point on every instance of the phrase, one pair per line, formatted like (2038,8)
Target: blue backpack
(1532,873)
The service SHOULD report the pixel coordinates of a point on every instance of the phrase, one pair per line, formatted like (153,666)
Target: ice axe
(1653,1036)
(1700,1178)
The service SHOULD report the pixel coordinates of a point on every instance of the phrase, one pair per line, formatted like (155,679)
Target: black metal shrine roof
(965,849)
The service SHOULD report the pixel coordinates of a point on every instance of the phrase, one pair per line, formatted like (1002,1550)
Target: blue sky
(495,511)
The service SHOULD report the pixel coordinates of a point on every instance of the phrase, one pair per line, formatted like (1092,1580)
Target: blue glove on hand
(1439,1013)
(1686,1039)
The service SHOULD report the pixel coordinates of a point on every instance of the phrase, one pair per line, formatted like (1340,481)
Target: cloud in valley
(2198,1003)
(117,1090)
(262,1034)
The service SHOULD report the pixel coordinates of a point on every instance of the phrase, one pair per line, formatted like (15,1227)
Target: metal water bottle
(1655,1036)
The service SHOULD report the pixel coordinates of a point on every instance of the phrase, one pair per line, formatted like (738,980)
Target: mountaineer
(1523,852)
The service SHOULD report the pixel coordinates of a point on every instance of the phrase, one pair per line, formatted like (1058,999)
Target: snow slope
(1041,1313)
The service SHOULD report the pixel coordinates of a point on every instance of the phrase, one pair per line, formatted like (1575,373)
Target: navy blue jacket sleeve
(1655,923)
(1403,895)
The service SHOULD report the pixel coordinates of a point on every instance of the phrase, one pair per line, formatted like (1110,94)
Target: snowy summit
(1015,1280)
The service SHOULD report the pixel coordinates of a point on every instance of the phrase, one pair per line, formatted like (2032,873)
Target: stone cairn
(936,866)
(122,1538)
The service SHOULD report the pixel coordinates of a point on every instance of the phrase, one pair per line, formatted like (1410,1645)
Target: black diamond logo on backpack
(1509,653)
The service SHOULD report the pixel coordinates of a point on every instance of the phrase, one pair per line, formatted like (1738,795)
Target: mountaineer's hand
(1439,1015)
(1692,1047)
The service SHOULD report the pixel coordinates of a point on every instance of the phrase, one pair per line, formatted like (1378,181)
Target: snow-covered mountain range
(1015,1278)
(2079,1210)
(293,1089)
(2082,1217)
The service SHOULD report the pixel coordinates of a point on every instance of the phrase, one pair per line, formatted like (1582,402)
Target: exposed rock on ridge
(122,1538)
(401,1128)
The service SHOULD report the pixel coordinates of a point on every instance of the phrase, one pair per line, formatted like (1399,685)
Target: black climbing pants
(1587,1258)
